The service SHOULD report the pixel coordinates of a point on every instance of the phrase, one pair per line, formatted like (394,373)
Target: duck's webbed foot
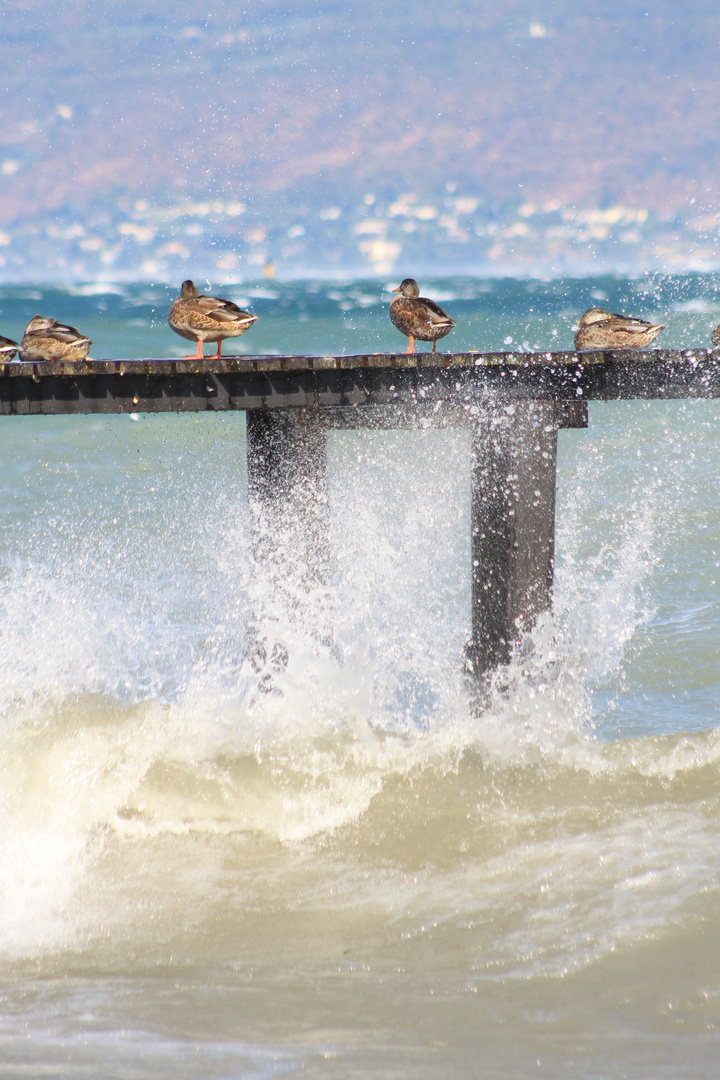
(199,354)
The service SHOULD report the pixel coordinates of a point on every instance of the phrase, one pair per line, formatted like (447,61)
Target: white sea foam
(98,288)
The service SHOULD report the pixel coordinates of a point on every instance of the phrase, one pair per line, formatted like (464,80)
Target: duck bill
(399,289)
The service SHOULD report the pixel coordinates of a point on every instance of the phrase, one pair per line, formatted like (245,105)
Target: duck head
(188,290)
(408,288)
(39,322)
(593,315)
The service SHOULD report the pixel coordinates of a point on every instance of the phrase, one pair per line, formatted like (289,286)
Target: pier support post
(514,457)
(287,493)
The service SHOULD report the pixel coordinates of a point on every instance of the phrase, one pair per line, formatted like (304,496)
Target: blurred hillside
(337,137)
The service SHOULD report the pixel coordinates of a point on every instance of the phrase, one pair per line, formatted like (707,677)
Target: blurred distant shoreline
(300,139)
(455,234)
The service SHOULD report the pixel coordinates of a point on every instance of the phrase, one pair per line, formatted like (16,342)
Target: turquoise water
(314,316)
(357,875)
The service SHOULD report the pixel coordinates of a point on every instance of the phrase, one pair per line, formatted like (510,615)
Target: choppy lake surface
(357,876)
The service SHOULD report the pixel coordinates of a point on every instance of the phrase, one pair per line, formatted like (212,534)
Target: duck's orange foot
(411,347)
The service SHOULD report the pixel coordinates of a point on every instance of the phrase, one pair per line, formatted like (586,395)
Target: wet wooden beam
(514,458)
(288,499)
(443,414)
(247,383)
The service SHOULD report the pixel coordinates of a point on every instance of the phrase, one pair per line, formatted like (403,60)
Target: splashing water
(358,871)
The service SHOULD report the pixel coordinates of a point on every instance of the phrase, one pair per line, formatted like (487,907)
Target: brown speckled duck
(716,338)
(46,339)
(418,317)
(8,349)
(600,329)
(207,318)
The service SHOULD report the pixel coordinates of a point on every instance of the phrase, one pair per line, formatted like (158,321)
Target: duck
(600,329)
(716,338)
(207,318)
(418,317)
(47,339)
(8,349)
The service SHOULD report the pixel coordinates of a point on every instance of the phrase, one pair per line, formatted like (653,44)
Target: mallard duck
(8,349)
(600,329)
(418,317)
(207,318)
(47,339)
(716,338)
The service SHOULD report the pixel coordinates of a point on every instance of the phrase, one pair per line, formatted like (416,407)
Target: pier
(514,404)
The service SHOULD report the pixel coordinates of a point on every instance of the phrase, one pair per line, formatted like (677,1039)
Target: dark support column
(514,460)
(287,492)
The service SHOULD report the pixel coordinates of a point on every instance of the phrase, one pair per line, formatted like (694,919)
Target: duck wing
(67,335)
(221,311)
(630,325)
(435,313)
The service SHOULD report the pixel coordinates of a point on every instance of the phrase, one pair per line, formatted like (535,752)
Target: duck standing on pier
(8,349)
(418,317)
(207,318)
(46,339)
(600,329)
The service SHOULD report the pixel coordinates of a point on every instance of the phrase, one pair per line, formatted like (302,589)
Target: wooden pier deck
(267,382)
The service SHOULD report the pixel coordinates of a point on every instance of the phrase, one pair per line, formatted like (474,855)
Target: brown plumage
(417,317)
(47,339)
(8,349)
(207,318)
(716,338)
(600,329)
